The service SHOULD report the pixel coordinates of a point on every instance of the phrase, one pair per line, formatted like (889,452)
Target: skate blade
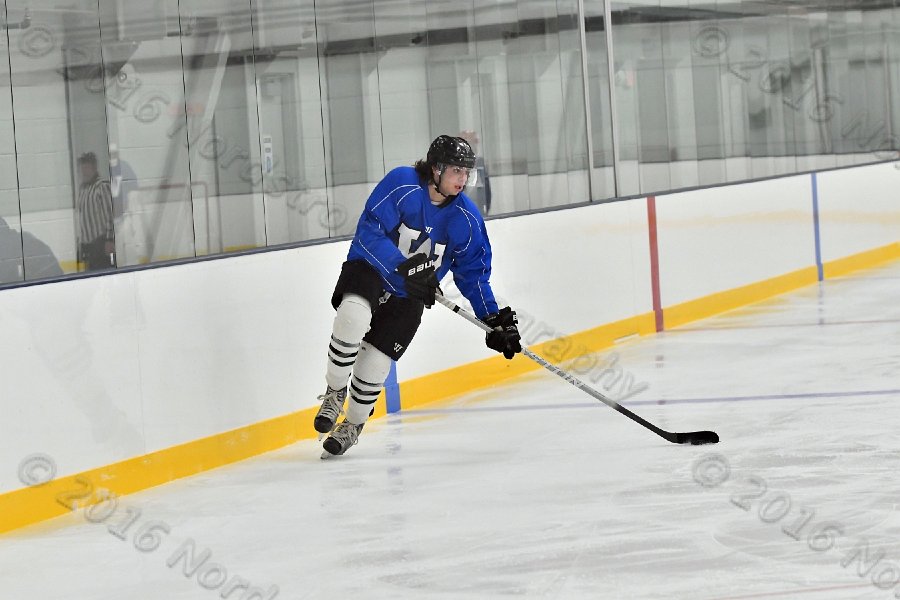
(326,455)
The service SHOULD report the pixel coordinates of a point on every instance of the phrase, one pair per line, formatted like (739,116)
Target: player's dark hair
(423,169)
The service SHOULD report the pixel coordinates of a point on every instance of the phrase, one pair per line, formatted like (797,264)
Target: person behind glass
(24,257)
(94,217)
(416,226)
(480,191)
(122,181)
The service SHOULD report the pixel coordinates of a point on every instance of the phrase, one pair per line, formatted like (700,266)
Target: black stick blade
(697,438)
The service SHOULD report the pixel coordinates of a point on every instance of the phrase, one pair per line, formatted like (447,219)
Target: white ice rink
(535,490)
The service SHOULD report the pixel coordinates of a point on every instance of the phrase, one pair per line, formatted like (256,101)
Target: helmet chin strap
(437,188)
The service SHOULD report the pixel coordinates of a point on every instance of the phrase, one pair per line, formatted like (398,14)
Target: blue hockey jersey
(399,221)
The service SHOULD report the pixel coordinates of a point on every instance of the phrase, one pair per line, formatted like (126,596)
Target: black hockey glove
(505,337)
(419,278)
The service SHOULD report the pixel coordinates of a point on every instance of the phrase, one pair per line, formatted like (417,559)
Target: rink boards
(208,363)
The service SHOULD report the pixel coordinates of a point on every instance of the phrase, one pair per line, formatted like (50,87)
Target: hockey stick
(691,437)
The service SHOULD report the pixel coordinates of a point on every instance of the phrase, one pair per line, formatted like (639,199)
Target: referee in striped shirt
(94,216)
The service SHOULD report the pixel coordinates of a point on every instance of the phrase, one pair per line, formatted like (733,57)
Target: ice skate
(332,407)
(344,436)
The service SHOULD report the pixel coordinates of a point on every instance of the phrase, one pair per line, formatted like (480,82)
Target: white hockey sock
(350,325)
(371,370)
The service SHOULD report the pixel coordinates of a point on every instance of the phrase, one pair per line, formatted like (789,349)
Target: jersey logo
(412,242)
(428,229)
(398,347)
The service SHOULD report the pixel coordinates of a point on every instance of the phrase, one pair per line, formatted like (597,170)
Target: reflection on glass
(600,102)
(11,264)
(147,165)
(876,30)
(59,115)
(800,84)
(771,137)
(290,122)
(531,100)
(133,132)
(892,74)
(678,80)
(223,143)
(348,65)
(626,63)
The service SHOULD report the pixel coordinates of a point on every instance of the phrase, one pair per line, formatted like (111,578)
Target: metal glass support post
(614,113)
(582,36)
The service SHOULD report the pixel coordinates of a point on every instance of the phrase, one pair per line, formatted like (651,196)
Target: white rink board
(716,239)
(181,352)
(859,209)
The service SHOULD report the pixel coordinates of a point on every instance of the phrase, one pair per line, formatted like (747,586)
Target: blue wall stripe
(392,390)
(815,199)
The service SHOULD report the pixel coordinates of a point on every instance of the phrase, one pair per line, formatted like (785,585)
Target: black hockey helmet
(447,150)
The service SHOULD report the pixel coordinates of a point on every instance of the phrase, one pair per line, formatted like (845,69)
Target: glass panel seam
(613,111)
(585,84)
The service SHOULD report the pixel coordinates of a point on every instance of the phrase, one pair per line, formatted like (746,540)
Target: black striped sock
(364,392)
(341,358)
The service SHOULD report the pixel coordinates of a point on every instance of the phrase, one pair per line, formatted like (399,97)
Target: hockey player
(416,225)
